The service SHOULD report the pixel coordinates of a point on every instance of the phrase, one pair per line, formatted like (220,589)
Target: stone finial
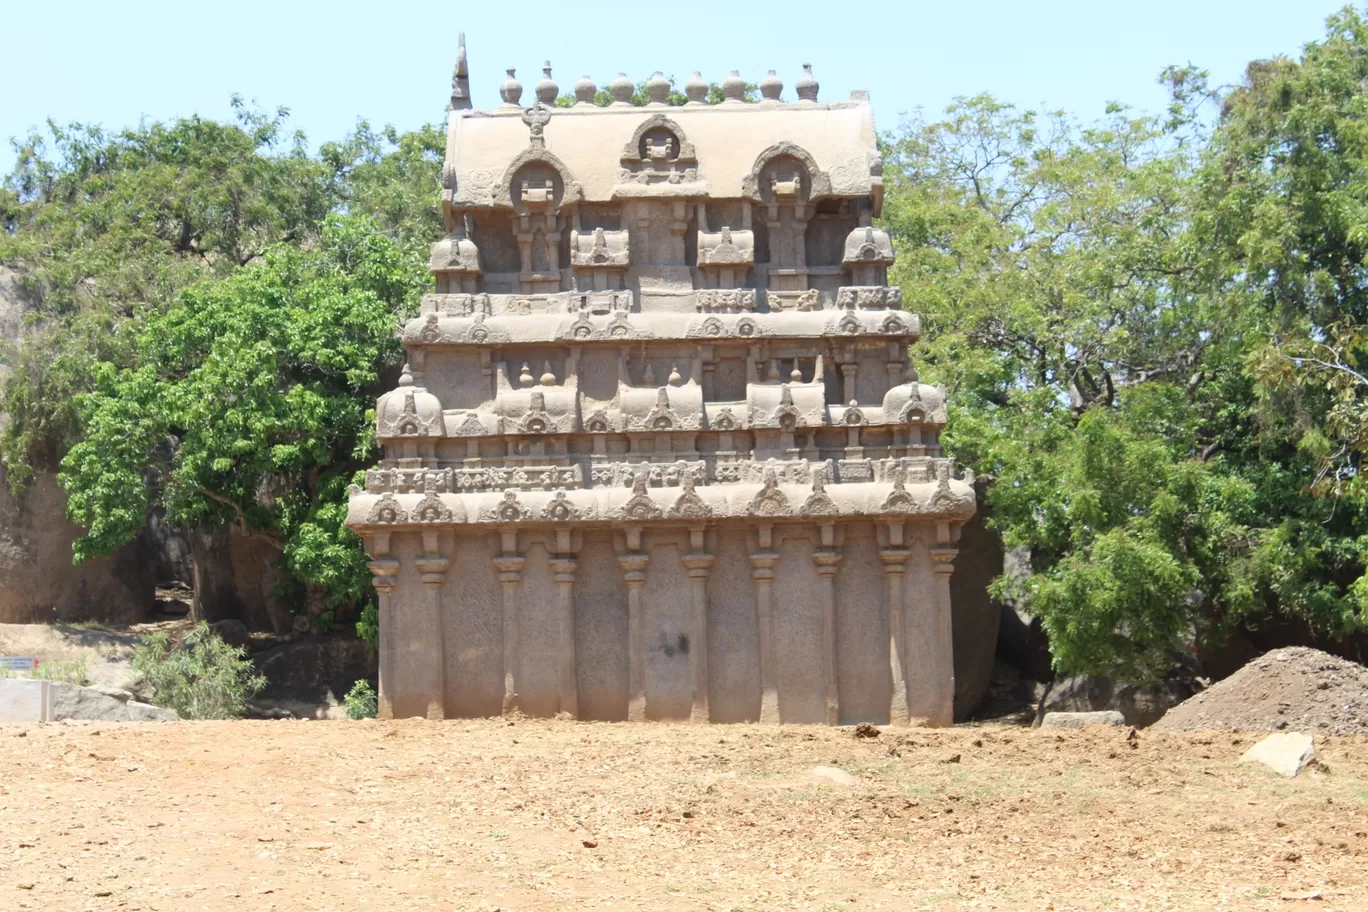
(807,85)
(547,90)
(696,89)
(460,78)
(675,378)
(734,87)
(548,378)
(525,377)
(796,375)
(772,375)
(585,90)
(406,376)
(771,87)
(621,89)
(658,88)
(511,90)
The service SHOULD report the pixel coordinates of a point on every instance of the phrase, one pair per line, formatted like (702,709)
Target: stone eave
(952,500)
(513,329)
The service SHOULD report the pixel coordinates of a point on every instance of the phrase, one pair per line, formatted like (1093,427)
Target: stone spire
(460,79)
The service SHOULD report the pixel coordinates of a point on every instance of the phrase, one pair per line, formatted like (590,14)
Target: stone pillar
(385,570)
(943,700)
(633,565)
(828,561)
(427,655)
(564,570)
(699,564)
(763,562)
(510,565)
(894,560)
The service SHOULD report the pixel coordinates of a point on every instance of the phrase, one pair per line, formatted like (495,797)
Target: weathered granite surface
(659,452)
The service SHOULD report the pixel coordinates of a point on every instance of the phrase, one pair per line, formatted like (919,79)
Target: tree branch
(271,537)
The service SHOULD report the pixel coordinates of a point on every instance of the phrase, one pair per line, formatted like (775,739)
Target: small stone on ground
(1286,753)
(835,775)
(1082,719)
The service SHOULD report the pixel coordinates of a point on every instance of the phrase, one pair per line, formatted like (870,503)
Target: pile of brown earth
(1295,688)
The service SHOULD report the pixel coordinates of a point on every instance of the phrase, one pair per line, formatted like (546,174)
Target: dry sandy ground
(548,815)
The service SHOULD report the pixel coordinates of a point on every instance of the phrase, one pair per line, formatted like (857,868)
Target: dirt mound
(1296,688)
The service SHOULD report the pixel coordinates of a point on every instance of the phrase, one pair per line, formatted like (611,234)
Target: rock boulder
(96,704)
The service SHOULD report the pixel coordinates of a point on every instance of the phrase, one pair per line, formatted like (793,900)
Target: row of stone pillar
(928,698)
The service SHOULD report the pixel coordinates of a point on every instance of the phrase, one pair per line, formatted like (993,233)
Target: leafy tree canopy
(247,405)
(1104,353)
(103,227)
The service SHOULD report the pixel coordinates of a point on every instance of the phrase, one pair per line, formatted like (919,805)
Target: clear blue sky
(390,62)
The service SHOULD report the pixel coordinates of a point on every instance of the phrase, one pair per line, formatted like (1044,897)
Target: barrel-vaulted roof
(730,142)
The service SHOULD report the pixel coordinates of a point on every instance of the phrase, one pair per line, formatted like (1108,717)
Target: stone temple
(659,452)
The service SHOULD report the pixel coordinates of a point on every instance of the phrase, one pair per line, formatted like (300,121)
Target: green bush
(361,701)
(73,672)
(203,678)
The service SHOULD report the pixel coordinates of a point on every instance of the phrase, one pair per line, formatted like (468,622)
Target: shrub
(361,701)
(203,678)
(73,672)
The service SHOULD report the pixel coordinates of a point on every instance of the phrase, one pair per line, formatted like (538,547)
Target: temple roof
(729,141)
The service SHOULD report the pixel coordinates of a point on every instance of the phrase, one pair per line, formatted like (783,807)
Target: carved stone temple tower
(658,452)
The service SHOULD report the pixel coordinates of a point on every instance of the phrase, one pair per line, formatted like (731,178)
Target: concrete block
(25,700)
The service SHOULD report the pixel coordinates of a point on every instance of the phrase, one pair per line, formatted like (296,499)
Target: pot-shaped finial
(807,85)
(734,87)
(547,90)
(658,88)
(621,89)
(511,90)
(771,87)
(585,90)
(696,89)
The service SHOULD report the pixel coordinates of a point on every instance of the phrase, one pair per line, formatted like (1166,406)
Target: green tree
(395,178)
(247,404)
(99,225)
(1286,207)
(1102,358)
